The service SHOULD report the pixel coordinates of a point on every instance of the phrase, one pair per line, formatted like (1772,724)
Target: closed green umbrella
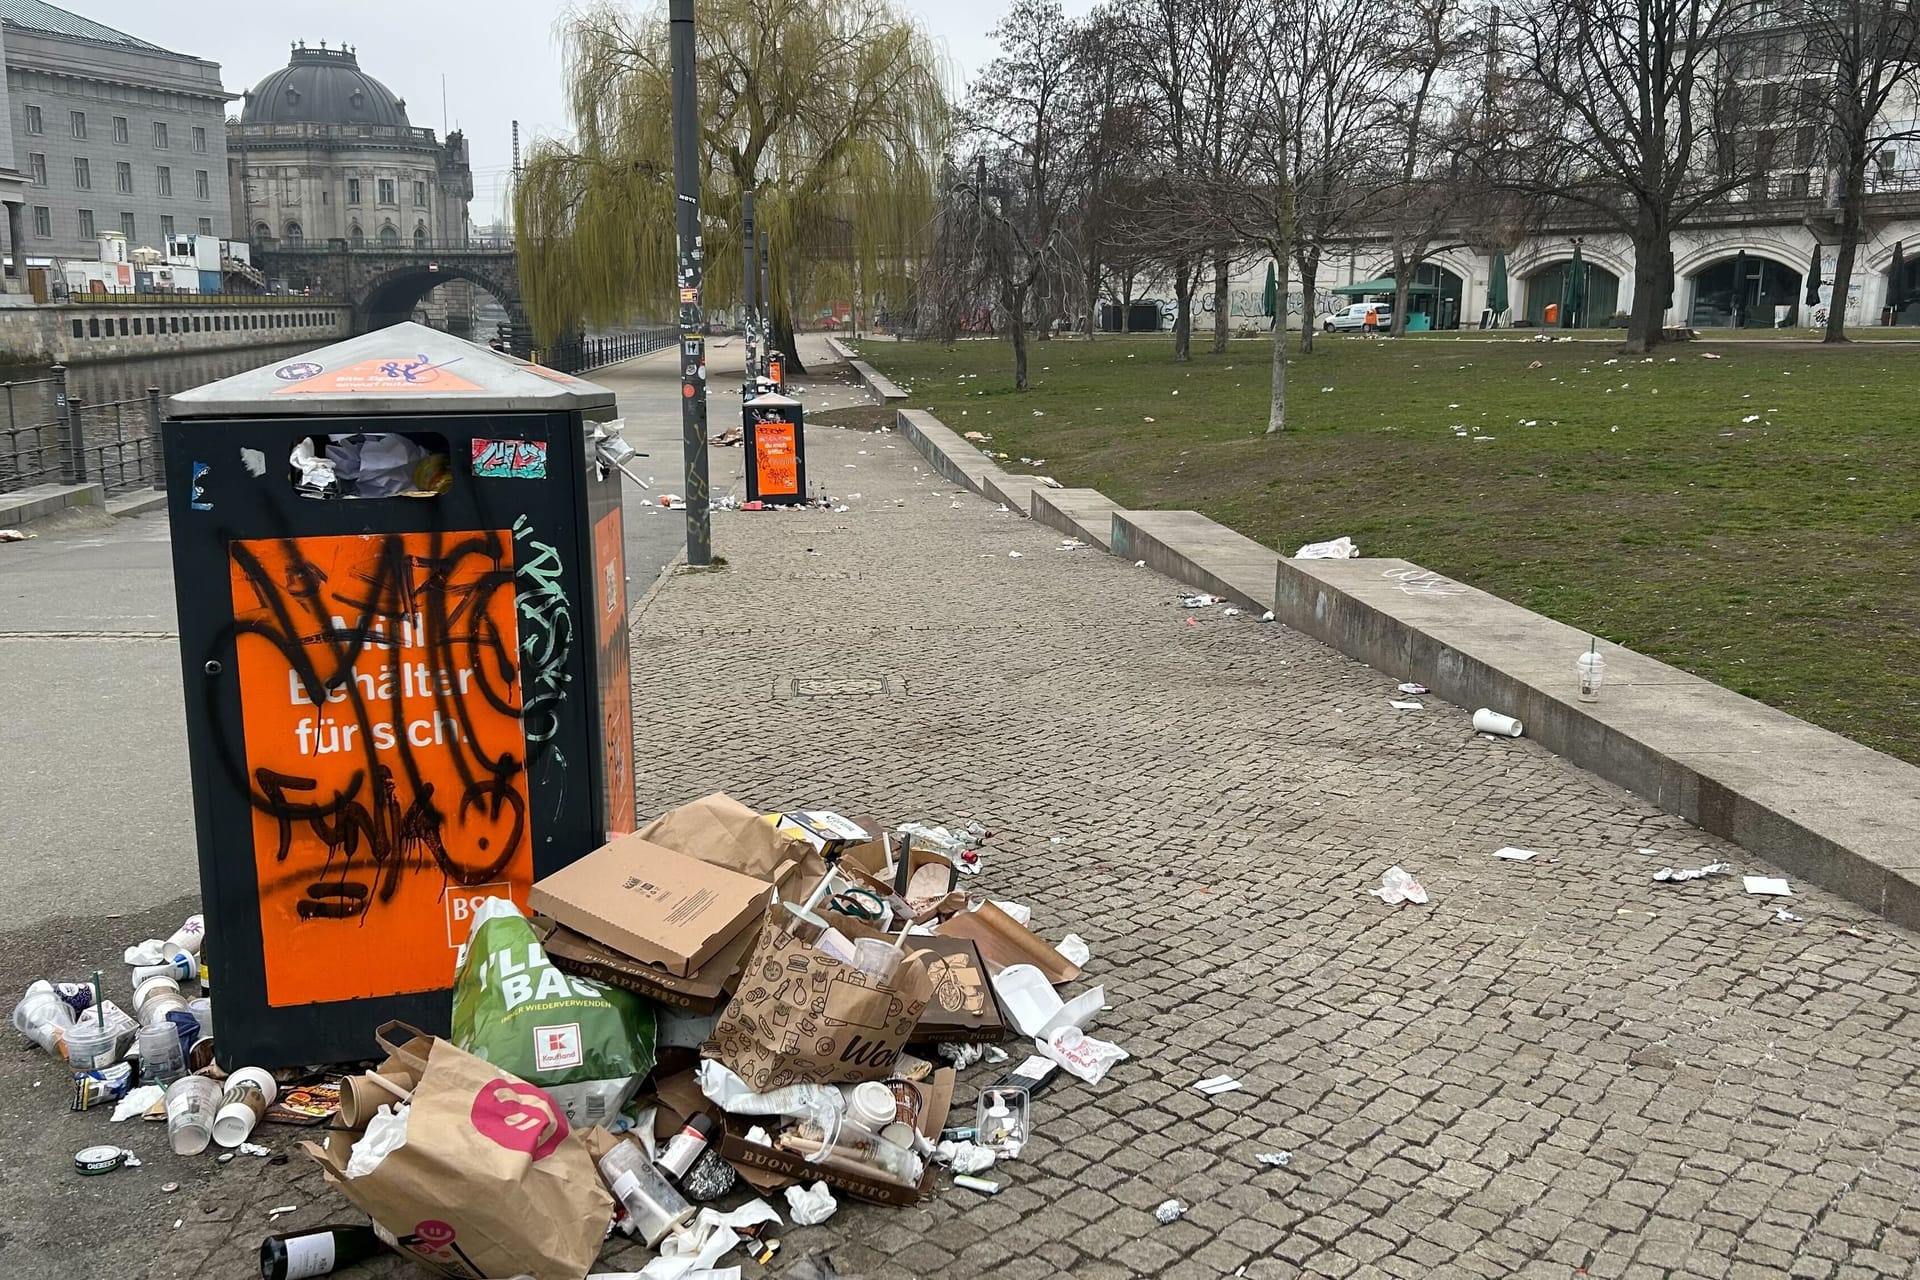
(1576,297)
(1497,286)
(1813,278)
(1270,300)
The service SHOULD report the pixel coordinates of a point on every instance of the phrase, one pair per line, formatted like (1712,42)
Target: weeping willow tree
(832,111)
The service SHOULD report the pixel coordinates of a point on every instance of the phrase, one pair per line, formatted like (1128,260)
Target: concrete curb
(138,503)
(1819,806)
(870,378)
(37,502)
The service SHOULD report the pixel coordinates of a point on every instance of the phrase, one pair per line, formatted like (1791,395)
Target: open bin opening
(371,464)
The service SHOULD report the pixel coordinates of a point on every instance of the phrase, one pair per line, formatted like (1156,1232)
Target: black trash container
(776,449)
(407,682)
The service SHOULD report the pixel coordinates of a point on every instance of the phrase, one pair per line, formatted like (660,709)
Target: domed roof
(323,86)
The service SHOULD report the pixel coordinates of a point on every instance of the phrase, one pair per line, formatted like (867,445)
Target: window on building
(387,195)
(79,329)
(123,176)
(163,180)
(355,236)
(78,121)
(82,174)
(202,184)
(93,326)
(120,133)
(294,234)
(353,191)
(37,167)
(419,195)
(420,236)
(35,123)
(389,234)
(206,227)
(166,225)
(42,221)
(199,140)
(86,224)
(160,134)
(126,225)
(151,327)
(123,326)
(261,231)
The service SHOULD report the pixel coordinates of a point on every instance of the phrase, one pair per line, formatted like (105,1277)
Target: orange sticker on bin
(776,459)
(385,757)
(383,376)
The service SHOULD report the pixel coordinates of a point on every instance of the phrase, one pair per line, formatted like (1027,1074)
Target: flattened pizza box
(652,904)
(702,991)
(864,1184)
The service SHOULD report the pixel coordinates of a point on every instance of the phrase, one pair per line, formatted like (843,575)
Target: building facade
(110,133)
(323,151)
(13,186)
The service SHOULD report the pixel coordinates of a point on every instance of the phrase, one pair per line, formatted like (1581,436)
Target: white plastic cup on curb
(1486,721)
(1591,670)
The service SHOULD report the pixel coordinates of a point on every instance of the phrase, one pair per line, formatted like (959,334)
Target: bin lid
(404,369)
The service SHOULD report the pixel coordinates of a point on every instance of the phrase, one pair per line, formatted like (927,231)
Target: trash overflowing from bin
(768,1011)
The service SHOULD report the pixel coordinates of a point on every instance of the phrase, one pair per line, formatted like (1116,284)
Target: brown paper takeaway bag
(491,1181)
(801,1017)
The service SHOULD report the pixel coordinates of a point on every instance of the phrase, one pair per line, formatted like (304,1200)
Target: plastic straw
(99,1005)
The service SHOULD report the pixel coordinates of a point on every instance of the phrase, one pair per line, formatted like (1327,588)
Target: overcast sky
(500,58)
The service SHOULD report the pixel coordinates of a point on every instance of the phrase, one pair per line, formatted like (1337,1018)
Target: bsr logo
(462,906)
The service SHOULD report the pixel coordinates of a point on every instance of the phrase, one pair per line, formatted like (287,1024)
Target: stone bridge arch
(384,283)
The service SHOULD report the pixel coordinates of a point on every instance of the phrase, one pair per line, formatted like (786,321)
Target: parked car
(1355,316)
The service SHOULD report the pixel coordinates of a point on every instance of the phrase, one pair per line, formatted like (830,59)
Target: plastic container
(250,1091)
(653,1205)
(1001,1119)
(155,998)
(161,1058)
(192,1104)
(180,966)
(1590,670)
(92,1046)
(202,1010)
(42,1016)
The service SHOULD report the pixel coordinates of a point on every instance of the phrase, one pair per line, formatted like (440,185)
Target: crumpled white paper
(690,1253)
(811,1206)
(965,1157)
(1397,885)
(386,1133)
(1080,1053)
(1336,549)
(137,1101)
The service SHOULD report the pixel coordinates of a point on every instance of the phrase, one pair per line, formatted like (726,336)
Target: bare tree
(1859,58)
(1622,106)
(1023,157)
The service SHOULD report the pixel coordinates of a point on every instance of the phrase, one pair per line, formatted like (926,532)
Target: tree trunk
(1652,278)
(1852,217)
(1402,278)
(1017,327)
(1184,278)
(1093,297)
(1126,305)
(1222,305)
(783,340)
(1309,274)
(1277,408)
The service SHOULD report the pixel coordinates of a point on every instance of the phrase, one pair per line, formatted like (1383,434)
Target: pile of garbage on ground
(727,1007)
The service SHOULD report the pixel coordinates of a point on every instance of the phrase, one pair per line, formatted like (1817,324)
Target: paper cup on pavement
(1485,721)
(250,1091)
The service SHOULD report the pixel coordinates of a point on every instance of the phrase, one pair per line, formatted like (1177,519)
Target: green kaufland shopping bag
(587,1045)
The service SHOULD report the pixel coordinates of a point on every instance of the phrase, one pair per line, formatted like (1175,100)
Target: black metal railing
(32,435)
(403,245)
(116,443)
(577,354)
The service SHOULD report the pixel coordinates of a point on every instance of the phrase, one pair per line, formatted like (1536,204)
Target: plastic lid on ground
(404,369)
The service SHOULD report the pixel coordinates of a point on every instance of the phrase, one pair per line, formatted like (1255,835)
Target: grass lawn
(1753,518)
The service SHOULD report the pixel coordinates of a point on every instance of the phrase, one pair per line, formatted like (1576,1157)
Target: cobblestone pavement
(1554,1066)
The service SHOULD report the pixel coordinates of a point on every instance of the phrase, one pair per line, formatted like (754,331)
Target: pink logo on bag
(518,1117)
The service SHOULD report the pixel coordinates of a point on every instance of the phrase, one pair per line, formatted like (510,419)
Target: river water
(129,379)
